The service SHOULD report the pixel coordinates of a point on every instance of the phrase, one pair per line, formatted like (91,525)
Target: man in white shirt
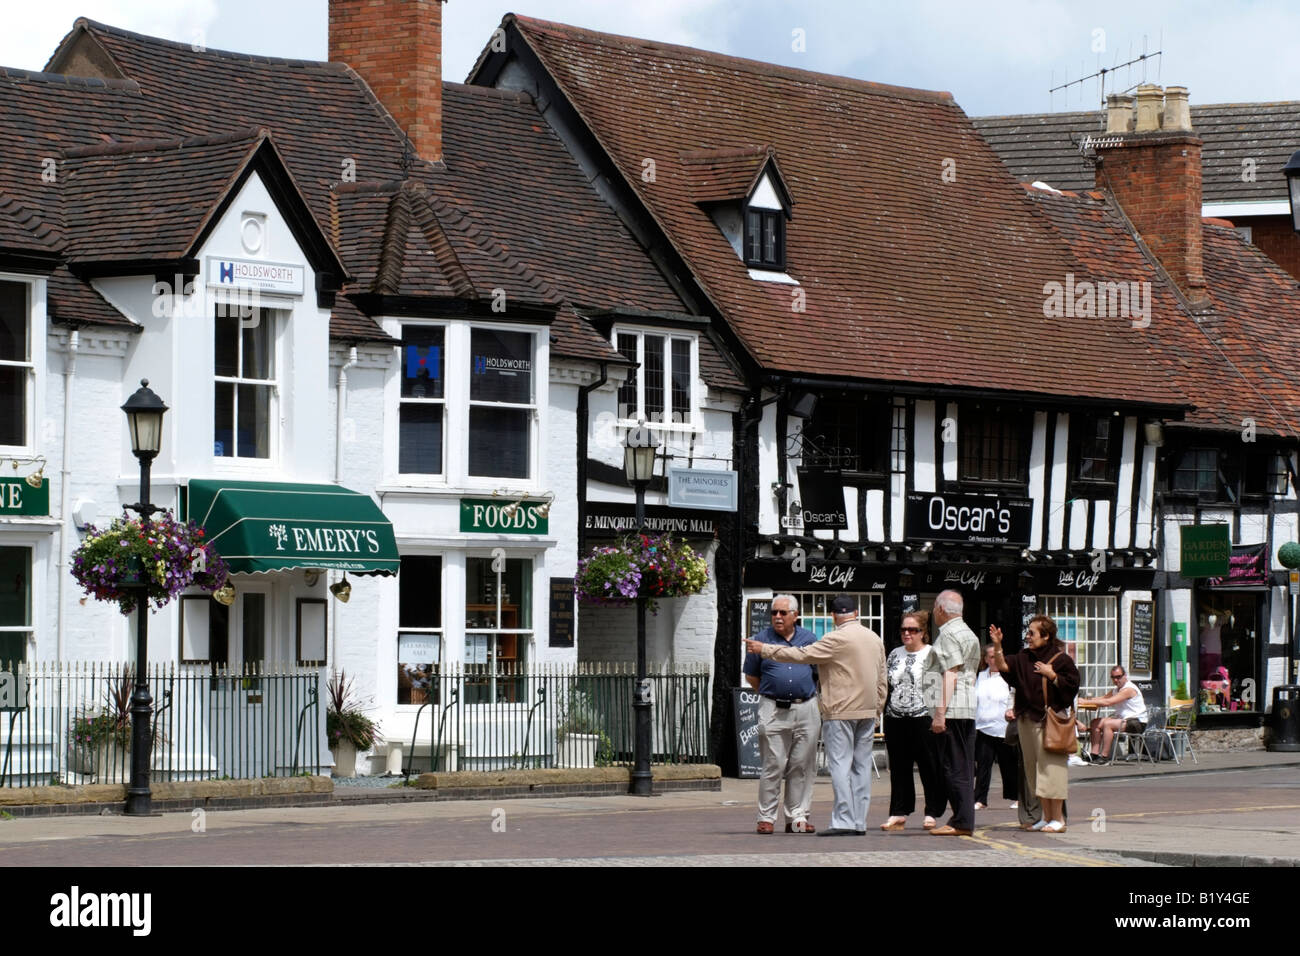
(1130,714)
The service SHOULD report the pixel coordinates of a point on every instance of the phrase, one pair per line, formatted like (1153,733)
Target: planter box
(577,750)
(345,759)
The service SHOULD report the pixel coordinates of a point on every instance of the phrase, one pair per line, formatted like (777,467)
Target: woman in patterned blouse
(907,728)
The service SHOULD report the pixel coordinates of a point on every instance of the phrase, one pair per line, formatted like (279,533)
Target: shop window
(815,613)
(498,628)
(854,434)
(419,630)
(993,445)
(15,605)
(660,388)
(1227,652)
(422,409)
(246,387)
(765,238)
(17,367)
(1087,625)
(1096,441)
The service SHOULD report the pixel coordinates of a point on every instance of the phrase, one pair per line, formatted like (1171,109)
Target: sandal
(894,823)
(1056,826)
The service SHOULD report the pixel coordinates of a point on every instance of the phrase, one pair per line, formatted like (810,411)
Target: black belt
(785,702)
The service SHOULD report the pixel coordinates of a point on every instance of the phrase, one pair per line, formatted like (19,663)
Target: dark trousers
(957,746)
(907,743)
(990,749)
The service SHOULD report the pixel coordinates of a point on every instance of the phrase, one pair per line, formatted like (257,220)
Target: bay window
(419,629)
(501,406)
(498,628)
(660,389)
(422,413)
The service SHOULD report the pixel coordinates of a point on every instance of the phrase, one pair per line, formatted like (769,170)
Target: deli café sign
(970,519)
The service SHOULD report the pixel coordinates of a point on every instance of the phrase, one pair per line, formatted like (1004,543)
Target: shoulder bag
(1058,730)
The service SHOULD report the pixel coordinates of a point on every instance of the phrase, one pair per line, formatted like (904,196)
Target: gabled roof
(1045,147)
(509,208)
(906,275)
(1235,360)
(731,173)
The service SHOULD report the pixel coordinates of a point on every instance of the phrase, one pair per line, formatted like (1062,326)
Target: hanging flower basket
(645,565)
(126,559)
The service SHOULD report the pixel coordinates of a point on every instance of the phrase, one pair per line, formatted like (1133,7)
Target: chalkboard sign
(1140,639)
(759,616)
(561,612)
(747,758)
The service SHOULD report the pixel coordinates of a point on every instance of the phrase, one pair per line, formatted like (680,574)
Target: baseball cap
(843,604)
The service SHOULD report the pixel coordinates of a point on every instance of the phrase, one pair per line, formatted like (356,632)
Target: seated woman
(1130,715)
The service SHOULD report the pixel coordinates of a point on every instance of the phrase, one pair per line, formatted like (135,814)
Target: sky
(996,57)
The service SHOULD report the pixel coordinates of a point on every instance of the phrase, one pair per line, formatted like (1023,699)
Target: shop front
(1232,615)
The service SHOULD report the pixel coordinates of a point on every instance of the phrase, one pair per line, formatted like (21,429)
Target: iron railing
(70,723)
(494,717)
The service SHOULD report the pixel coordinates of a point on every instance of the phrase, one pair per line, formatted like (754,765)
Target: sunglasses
(911,630)
(783,612)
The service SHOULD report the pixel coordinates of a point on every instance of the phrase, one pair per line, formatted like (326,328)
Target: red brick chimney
(396,47)
(1150,161)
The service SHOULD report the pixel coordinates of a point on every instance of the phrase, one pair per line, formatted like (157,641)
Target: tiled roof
(111,194)
(907,275)
(508,210)
(73,301)
(1235,361)
(22,228)
(1045,147)
(718,175)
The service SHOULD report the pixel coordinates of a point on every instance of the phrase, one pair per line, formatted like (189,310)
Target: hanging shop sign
(1204,550)
(614,518)
(969,519)
(281,277)
(822,503)
(489,516)
(1247,568)
(17,497)
(707,488)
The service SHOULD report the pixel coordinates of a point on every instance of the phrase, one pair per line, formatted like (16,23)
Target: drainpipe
(69,369)
(340,404)
(584,426)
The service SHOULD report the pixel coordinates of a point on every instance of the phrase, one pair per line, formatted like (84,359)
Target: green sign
(493,516)
(17,497)
(1204,550)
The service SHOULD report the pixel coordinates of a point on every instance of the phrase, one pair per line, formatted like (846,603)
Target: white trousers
(848,746)
(787,743)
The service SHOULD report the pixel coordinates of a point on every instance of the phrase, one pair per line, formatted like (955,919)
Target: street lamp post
(639,463)
(144,414)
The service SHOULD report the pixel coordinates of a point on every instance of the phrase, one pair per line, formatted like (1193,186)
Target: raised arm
(1000,662)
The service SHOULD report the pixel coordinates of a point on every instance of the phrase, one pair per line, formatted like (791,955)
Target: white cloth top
(993,700)
(1133,706)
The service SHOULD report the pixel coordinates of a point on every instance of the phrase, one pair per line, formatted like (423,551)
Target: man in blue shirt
(788,721)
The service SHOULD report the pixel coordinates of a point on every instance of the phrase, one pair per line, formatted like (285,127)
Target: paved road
(1253,812)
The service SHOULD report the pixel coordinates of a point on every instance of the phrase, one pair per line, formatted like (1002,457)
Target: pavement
(1228,809)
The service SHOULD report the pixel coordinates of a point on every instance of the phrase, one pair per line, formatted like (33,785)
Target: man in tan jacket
(854,686)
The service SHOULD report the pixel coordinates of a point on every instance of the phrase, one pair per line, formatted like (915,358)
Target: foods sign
(970,519)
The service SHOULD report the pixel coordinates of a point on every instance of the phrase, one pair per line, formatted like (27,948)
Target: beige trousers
(787,742)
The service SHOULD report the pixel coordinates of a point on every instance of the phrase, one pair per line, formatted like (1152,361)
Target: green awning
(274,526)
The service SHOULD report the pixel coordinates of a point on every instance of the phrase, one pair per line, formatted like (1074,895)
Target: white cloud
(33,30)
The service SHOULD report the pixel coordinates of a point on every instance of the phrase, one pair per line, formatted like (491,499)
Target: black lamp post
(1292,172)
(144,414)
(639,464)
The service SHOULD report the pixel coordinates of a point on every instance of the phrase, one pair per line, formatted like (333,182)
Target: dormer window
(764,238)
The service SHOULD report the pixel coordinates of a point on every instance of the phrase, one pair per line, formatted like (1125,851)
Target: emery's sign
(359,542)
(19,498)
(280,277)
(971,519)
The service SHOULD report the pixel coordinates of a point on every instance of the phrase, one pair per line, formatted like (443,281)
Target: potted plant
(161,558)
(641,565)
(578,732)
(346,725)
(101,736)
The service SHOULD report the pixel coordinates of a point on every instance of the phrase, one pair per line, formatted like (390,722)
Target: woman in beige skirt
(1043,675)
